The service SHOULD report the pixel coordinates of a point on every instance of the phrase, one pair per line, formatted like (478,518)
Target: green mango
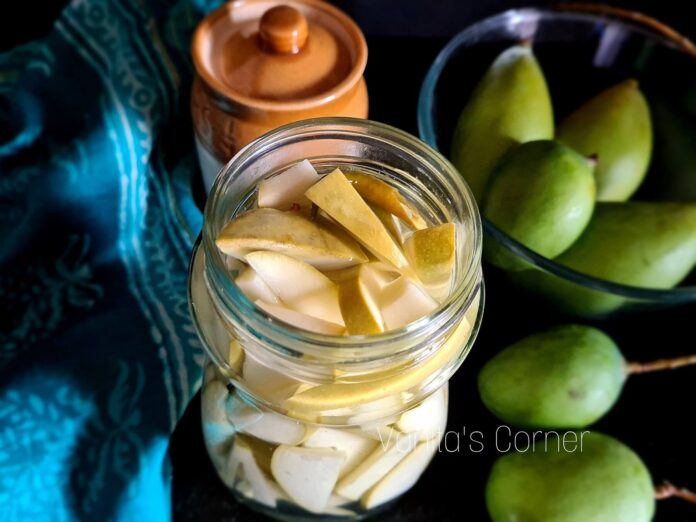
(602,480)
(648,245)
(651,245)
(542,194)
(615,127)
(510,105)
(566,377)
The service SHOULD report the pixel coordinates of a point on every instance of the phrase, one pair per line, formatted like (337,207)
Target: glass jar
(304,426)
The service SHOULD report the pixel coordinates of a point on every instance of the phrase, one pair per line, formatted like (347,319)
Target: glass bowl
(581,54)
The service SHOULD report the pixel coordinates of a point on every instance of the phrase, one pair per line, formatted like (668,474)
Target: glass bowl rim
(426,131)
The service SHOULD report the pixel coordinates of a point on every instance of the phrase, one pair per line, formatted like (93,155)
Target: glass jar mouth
(229,298)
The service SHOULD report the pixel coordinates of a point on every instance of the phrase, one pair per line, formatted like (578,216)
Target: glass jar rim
(232,301)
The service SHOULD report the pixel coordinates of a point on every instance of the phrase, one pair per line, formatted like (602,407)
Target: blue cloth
(98,357)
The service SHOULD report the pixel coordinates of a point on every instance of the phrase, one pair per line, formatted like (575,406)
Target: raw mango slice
(254,287)
(357,298)
(266,381)
(300,320)
(402,478)
(307,475)
(403,301)
(264,425)
(429,418)
(432,253)
(285,191)
(355,446)
(299,285)
(289,233)
(335,195)
(386,197)
(263,489)
(387,455)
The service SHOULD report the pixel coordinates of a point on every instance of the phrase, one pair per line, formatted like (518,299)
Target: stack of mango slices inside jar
(339,254)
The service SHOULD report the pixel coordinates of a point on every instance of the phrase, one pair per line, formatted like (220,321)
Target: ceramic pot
(261,64)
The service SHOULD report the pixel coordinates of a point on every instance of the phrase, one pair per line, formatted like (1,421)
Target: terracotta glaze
(261,64)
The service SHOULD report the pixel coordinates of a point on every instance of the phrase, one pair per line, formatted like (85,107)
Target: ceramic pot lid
(287,55)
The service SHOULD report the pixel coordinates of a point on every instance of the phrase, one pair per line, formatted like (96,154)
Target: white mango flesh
(335,195)
(286,190)
(289,233)
(267,382)
(242,487)
(380,274)
(289,278)
(372,414)
(381,433)
(217,429)
(322,304)
(307,475)
(371,422)
(402,301)
(429,418)
(254,287)
(354,446)
(299,285)
(300,320)
(402,478)
(262,450)
(262,488)
(387,455)
(265,425)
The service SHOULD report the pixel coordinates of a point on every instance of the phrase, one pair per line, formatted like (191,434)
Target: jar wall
(351,394)
(354,421)
(294,470)
(375,451)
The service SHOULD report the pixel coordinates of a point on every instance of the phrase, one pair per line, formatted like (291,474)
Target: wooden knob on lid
(283,29)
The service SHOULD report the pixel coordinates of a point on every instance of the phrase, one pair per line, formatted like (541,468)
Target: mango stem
(669,490)
(660,364)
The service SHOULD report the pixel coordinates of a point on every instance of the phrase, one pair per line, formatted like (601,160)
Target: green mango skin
(542,194)
(510,105)
(649,245)
(605,482)
(615,126)
(566,377)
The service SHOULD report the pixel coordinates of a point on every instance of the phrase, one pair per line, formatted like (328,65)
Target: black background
(656,414)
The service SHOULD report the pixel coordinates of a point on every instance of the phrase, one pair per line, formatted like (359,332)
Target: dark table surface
(654,415)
